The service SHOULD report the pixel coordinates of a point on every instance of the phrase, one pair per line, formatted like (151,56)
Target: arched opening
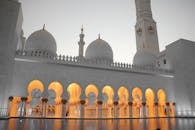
(35,84)
(35,89)
(137,102)
(55,91)
(108,95)
(150,105)
(91,93)
(123,95)
(161,103)
(74,91)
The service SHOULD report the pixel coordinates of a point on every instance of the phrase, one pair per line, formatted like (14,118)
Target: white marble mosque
(35,81)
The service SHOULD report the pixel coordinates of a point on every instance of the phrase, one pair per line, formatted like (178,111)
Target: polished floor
(113,124)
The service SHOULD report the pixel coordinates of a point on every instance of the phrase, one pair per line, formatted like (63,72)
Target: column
(116,109)
(44,107)
(58,107)
(156,109)
(29,98)
(9,105)
(64,112)
(130,109)
(167,109)
(99,109)
(82,110)
(144,109)
(23,106)
(14,107)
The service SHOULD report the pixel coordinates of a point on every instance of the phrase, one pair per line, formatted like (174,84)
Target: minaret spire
(99,36)
(43,26)
(146,31)
(81,43)
(23,39)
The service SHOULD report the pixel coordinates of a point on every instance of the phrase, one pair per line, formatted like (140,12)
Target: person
(67,113)
(165,111)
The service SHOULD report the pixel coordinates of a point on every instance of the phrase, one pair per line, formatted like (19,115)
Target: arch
(91,88)
(161,96)
(74,91)
(108,90)
(137,102)
(90,109)
(35,84)
(137,94)
(150,96)
(123,94)
(56,87)
(35,88)
(161,103)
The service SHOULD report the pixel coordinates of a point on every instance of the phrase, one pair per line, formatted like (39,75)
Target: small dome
(143,58)
(99,49)
(41,40)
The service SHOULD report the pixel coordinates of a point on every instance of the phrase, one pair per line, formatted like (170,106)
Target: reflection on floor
(123,124)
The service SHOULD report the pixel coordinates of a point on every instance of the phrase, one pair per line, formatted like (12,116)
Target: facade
(39,82)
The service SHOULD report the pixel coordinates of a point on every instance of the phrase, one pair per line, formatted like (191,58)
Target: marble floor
(113,124)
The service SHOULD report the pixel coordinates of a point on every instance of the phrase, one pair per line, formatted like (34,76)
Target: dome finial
(99,37)
(43,26)
(82,29)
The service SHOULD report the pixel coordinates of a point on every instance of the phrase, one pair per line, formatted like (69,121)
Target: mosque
(37,82)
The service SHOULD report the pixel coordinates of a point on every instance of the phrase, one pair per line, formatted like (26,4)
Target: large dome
(41,40)
(99,49)
(143,58)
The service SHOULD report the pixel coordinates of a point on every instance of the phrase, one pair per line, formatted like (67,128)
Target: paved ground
(123,124)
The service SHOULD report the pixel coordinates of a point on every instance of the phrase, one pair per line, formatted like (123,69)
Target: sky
(114,20)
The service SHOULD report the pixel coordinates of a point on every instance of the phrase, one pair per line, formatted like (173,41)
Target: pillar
(64,112)
(130,109)
(116,109)
(44,107)
(82,110)
(99,109)
(23,106)
(58,107)
(9,105)
(156,109)
(14,106)
(28,106)
(144,109)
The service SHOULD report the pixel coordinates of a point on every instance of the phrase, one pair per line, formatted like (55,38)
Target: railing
(100,63)
(3,112)
(186,113)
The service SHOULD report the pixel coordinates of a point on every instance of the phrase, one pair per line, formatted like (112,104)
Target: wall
(66,74)
(180,56)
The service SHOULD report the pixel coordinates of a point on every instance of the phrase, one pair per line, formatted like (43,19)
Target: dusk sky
(113,19)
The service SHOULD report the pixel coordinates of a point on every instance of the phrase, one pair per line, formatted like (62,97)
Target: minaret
(10,31)
(81,43)
(146,32)
(23,40)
